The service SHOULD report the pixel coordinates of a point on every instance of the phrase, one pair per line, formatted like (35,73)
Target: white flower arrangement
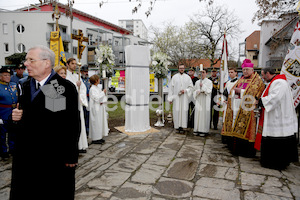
(160,63)
(105,59)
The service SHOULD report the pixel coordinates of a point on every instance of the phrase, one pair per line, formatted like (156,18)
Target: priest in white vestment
(280,123)
(202,96)
(98,116)
(180,89)
(228,86)
(73,77)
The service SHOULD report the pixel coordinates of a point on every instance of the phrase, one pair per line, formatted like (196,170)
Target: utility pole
(70,5)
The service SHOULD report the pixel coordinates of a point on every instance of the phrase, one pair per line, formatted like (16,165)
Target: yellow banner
(62,56)
(152,83)
(56,45)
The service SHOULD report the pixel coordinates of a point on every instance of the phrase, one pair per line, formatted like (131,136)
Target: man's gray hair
(45,53)
(271,70)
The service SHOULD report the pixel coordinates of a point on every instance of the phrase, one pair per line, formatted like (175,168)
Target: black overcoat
(45,142)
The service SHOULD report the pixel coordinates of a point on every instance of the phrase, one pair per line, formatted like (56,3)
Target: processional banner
(56,45)
(291,65)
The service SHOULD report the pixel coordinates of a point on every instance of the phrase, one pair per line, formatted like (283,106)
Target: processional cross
(56,15)
(80,38)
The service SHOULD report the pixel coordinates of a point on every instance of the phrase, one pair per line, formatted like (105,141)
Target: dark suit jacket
(45,142)
(194,79)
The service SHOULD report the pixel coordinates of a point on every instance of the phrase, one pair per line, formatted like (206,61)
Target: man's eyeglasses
(28,60)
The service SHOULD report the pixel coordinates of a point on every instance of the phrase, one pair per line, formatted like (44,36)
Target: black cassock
(46,140)
(191,107)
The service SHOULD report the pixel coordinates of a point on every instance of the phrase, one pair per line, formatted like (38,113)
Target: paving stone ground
(168,165)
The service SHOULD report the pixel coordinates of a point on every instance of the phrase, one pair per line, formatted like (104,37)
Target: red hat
(247,63)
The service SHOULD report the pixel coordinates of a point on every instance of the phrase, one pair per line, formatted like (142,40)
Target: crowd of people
(45,155)
(197,103)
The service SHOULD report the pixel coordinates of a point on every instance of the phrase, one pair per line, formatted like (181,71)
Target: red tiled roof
(80,15)
(206,63)
(252,39)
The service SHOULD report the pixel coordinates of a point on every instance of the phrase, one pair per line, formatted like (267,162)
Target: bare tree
(166,40)
(201,37)
(181,44)
(211,26)
(267,8)
(273,8)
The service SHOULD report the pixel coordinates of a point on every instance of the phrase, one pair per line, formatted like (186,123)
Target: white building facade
(275,36)
(21,30)
(137,26)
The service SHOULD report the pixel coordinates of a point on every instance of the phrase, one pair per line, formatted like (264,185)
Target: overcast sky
(176,11)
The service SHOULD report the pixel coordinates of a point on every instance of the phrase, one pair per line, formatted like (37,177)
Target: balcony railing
(118,48)
(65,37)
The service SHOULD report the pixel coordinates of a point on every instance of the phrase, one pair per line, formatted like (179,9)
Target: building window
(255,46)
(116,43)
(63,29)
(20,28)
(5,28)
(99,39)
(254,57)
(6,49)
(121,57)
(90,36)
(21,48)
(66,46)
(74,32)
(75,50)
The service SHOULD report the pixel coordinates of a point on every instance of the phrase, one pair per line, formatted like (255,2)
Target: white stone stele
(137,88)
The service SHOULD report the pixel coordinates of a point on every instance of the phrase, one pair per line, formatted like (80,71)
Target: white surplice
(82,100)
(280,118)
(180,101)
(229,85)
(98,115)
(202,96)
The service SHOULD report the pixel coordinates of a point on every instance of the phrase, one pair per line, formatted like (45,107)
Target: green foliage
(16,58)
(119,112)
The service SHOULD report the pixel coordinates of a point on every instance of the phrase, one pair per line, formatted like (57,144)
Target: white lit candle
(201,67)
(103,73)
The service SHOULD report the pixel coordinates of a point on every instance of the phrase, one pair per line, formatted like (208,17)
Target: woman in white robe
(202,95)
(98,116)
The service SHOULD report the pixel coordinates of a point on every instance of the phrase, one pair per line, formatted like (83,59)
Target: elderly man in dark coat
(46,149)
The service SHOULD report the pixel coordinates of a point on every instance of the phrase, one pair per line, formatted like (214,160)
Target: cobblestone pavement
(168,165)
